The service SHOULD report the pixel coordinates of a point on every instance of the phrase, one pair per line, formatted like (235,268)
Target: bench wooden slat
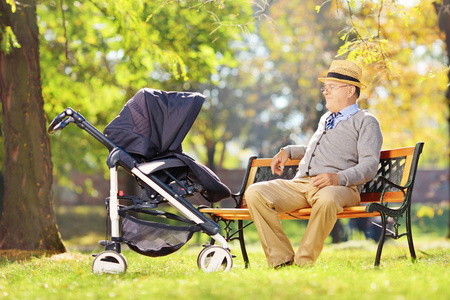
(388,197)
(304,213)
(406,151)
(263,162)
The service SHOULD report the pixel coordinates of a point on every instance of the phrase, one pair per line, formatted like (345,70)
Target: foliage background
(257,63)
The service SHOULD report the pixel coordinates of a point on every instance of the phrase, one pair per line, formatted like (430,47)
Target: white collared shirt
(346,113)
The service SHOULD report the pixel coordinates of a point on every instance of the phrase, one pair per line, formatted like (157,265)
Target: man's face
(336,95)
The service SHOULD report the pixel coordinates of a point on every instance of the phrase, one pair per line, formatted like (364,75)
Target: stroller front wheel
(109,262)
(215,258)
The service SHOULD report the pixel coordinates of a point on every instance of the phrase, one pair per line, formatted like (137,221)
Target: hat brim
(358,84)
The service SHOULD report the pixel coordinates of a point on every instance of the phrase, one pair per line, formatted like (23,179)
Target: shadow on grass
(13,255)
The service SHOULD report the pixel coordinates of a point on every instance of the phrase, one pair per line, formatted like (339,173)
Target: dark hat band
(341,76)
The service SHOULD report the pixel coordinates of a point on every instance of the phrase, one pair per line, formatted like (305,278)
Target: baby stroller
(145,140)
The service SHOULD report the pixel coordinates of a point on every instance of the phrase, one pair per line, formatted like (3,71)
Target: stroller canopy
(154,122)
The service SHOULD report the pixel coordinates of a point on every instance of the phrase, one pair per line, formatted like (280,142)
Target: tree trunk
(211,153)
(27,219)
(443,12)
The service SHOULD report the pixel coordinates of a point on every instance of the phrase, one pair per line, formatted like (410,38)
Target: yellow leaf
(13,5)
(425,211)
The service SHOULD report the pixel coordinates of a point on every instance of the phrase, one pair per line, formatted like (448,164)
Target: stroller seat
(160,164)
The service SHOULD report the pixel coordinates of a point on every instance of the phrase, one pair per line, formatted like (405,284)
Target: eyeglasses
(331,88)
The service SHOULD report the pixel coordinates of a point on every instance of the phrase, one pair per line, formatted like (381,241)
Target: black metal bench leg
(409,235)
(242,243)
(382,238)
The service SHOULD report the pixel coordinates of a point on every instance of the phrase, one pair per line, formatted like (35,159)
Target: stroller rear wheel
(109,262)
(215,258)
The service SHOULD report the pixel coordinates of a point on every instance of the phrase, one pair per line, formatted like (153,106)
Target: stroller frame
(210,259)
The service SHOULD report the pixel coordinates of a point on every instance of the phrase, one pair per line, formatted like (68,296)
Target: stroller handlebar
(70,116)
(63,119)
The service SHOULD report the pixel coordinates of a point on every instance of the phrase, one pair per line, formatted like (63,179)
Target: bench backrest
(397,165)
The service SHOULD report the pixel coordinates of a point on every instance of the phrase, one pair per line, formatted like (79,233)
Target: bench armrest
(387,183)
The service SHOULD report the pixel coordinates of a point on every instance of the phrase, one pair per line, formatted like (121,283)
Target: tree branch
(66,43)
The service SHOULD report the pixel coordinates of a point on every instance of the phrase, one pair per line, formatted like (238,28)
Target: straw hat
(345,71)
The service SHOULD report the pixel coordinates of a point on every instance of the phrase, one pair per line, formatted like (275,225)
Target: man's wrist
(286,149)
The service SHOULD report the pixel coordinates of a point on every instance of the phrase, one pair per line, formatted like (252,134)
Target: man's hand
(278,162)
(325,179)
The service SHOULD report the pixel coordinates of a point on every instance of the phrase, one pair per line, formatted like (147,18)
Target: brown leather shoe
(283,265)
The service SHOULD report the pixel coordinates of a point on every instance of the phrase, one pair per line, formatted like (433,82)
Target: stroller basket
(155,239)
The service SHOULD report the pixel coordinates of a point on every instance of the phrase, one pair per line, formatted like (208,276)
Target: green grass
(340,273)
(343,271)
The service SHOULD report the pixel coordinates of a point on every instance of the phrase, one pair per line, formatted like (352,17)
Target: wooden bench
(392,185)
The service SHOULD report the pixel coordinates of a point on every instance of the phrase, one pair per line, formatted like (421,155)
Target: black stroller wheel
(215,258)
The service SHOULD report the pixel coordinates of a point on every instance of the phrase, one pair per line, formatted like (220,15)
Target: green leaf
(9,40)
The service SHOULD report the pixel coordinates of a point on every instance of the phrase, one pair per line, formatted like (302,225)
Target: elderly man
(341,156)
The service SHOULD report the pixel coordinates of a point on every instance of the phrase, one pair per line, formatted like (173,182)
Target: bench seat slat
(349,212)
(244,214)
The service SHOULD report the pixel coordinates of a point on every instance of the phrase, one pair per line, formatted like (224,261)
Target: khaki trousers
(266,199)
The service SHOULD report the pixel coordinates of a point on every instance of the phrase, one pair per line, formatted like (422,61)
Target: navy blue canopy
(154,122)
